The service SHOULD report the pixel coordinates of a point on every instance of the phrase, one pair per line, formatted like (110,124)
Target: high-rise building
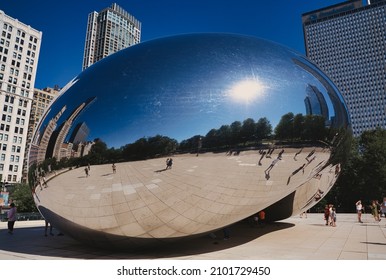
(42,99)
(348,42)
(19,53)
(109,31)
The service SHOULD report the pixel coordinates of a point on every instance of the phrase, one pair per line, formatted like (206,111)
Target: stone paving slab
(294,238)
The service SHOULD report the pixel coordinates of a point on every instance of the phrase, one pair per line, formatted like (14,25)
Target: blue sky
(63,24)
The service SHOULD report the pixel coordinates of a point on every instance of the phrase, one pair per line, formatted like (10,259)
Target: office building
(19,53)
(109,31)
(42,99)
(347,41)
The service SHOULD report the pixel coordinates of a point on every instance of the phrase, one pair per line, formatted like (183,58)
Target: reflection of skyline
(315,102)
(43,142)
(51,143)
(80,133)
(57,147)
(341,118)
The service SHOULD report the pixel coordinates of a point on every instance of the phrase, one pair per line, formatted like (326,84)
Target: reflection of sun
(247,91)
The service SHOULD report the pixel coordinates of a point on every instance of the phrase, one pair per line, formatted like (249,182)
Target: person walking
(327,214)
(375,210)
(333,217)
(46,228)
(383,207)
(359,208)
(11,215)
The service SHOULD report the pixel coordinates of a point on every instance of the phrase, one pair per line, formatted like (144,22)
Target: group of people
(377,210)
(330,215)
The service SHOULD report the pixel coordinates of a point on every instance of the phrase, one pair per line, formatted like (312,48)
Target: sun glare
(247,91)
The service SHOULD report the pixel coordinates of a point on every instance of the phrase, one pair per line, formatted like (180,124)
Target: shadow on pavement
(31,241)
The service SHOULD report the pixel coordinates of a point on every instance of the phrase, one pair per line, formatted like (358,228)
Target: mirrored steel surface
(98,158)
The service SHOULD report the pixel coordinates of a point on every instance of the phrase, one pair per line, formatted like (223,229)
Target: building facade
(109,31)
(42,99)
(19,53)
(348,42)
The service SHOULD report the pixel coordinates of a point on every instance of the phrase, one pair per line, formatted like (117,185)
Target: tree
(248,130)
(22,196)
(298,126)
(224,135)
(314,127)
(97,153)
(372,145)
(263,129)
(284,129)
(211,139)
(363,175)
(235,132)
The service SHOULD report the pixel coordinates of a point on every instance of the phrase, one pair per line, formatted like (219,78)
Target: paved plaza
(294,238)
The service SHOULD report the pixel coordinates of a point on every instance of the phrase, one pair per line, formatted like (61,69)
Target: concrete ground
(294,238)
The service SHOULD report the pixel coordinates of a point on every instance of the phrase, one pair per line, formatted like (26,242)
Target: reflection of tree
(151,147)
(299,127)
(236,135)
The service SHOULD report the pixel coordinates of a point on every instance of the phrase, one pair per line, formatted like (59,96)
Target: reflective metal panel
(184,135)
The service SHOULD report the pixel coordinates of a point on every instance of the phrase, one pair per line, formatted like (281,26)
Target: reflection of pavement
(291,239)
(199,194)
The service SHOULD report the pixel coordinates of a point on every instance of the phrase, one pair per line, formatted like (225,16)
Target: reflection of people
(298,153)
(272,165)
(262,156)
(280,154)
(11,215)
(296,171)
(227,233)
(261,217)
(309,155)
(169,163)
(114,168)
(359,208)
(46,229)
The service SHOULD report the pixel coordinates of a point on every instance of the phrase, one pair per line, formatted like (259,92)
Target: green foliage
(22,197)
(299,127)
(364,174)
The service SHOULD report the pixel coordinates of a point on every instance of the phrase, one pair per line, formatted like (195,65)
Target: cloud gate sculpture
(181,136)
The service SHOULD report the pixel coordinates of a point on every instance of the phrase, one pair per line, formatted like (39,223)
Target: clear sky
(63,24)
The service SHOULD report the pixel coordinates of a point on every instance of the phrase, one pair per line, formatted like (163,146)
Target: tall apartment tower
(19,53)
(348,42)
(109,31)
